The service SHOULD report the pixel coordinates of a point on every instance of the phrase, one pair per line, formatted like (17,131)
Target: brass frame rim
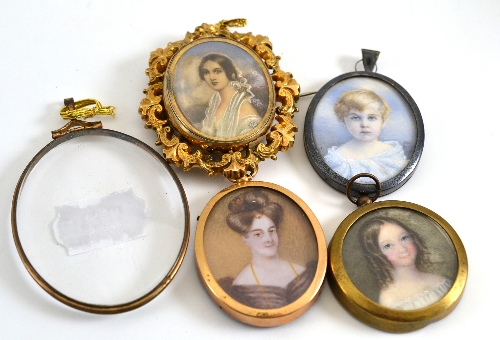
(239,311)
(234,165)
(370,312)
(83,306)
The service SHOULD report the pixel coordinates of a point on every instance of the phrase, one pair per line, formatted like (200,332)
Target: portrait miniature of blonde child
(364,114)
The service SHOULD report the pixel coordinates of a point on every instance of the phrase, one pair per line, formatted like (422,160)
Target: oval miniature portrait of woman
(220,89)
(400,258)
(262,249)
(364,123)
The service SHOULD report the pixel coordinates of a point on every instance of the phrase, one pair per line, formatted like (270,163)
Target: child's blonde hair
(359,99)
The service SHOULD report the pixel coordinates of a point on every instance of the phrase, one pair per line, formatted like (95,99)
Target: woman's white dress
(231,125)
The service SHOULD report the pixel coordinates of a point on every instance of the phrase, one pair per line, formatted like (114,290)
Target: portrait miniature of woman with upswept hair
(268,281)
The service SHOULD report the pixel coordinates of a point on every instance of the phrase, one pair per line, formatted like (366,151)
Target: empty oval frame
(100,221)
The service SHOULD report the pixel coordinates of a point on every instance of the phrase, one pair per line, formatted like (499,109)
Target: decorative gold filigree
(74,110)
(233,164)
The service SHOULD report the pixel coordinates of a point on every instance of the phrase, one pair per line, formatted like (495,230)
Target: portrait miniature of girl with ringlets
(400,263)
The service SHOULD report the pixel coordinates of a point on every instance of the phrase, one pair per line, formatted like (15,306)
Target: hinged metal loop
(73,110)
(363,199)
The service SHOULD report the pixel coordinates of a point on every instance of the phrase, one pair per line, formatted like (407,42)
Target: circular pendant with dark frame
(364,122)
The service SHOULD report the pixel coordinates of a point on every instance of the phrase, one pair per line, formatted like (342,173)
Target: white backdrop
(445,54)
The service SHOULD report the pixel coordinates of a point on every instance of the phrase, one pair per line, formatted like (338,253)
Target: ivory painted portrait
(364,125)
(400,258)
(222,89)
(261,248)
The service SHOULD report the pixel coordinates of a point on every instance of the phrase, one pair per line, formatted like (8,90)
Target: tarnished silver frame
(333,178)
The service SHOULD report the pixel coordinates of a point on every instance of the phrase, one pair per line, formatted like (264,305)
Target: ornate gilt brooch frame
(185,101)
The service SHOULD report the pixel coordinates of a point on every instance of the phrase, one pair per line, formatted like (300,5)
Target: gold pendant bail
(240,22)
(75,110)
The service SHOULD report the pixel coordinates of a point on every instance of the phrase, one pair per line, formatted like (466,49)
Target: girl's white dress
(384,166)
(424,299)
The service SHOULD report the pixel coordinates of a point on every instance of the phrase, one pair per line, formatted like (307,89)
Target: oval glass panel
(100,221)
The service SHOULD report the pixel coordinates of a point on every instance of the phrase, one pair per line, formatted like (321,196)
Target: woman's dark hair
(249,205)
(380,266)
(223,61)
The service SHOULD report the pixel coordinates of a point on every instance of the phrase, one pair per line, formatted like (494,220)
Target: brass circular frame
(244,313)
(370,312)
(87,307)
(237,160)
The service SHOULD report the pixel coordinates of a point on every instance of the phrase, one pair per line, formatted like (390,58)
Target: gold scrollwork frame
(235,165)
